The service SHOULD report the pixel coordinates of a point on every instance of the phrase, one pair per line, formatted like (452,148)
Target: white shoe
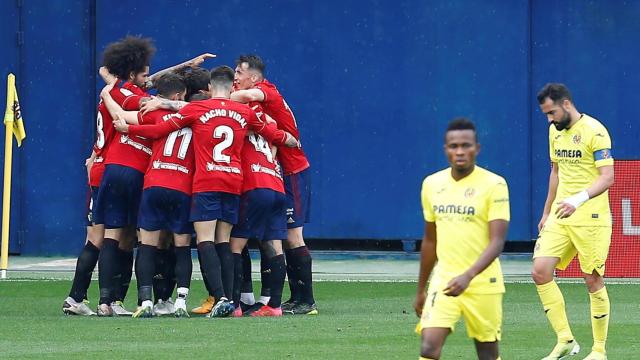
(119,310)
(563,350)
(72,307)
(164,308)
(181,308)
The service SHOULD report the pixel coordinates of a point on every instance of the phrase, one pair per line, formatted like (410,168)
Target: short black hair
(462,123)
(169,84)
(254,62)
(127,55)
(557,92)
(195,79)
(222,76)
(197,97)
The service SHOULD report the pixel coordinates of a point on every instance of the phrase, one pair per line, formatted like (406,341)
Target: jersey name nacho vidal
(579,152)
(462,211)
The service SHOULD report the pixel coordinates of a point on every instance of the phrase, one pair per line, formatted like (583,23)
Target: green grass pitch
(357,321)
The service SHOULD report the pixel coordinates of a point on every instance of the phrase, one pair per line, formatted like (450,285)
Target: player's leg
(592,244)
(237,245)
(164,278)
(265,273)
(274,253)
(439,317)
(125,269)
(74,304)
(483,319)
(553,250)
(247,299)
(183,270)
(223,248)
(145,271)
(299,261)
(432,342)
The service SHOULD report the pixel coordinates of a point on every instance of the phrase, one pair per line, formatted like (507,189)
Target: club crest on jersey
(576,139)
(469,193)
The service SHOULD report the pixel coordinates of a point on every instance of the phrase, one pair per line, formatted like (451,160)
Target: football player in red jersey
(262,216)
(254,88)
(219,126)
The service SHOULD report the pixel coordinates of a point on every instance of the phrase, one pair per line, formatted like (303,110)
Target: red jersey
(125,150)
(172,162)
(260,168)
(293,160)
(126,95)
(219,127)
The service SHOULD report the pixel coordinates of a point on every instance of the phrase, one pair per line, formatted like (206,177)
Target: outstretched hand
(196,61)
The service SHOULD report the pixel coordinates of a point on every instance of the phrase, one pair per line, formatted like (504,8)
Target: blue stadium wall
(373,85)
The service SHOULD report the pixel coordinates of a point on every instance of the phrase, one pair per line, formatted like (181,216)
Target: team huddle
(215,153)
(466,213)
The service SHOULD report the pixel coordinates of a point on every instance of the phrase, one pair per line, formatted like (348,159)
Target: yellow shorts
(482,314)
(564,241)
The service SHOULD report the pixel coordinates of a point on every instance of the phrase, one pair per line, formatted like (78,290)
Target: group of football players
(216,153)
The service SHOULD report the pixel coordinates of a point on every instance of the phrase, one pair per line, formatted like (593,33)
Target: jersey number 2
(218,133)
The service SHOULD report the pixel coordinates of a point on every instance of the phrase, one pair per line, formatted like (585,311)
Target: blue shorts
(298,189)
(118,197)
(215,205)
(92,196)
(165,209)
(262,216)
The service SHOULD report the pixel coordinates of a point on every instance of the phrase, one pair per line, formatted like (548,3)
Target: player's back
(293,160)
(219,127)
(125,150)
(172,162)
(259,166)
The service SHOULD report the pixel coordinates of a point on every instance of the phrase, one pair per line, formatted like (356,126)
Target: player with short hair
(219,126)
(576,217)
(253,88)
(466,213)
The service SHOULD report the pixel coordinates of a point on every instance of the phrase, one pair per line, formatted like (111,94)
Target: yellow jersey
(579,151)
(461,211)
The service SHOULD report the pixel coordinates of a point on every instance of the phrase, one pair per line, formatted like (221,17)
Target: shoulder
(593,125)
(438,177)
(490,178)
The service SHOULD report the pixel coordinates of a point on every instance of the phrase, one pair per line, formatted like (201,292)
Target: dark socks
(84,269)
(302,268)
(238,277)
(124,277)
(278,272)
(226,267)
(108,264)
(204,274)
(210,265)
(145,270)
(265,273)
(292,275)
(184,266)
(247,285)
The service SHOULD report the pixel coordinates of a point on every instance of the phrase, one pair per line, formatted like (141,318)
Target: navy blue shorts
(298,189)
(92,196)
(165,209)
(262,216)
(215,205)
(118,197)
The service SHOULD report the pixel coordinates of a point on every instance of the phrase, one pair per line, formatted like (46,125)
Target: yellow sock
(553,304)
(599,318)
(424,358)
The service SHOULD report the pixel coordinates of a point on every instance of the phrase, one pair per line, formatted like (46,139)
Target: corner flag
(13,125)
(12,113)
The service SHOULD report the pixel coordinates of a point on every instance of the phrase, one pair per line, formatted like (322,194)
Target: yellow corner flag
(12,113)
(13,125)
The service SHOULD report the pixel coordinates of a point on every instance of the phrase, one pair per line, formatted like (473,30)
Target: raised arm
(131,117)
(108,77)
(247,96)
(196,61)
(428,259)
(159,103)
(155,131)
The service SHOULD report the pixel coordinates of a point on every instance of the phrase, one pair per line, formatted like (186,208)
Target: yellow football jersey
(579,151)
(462,211)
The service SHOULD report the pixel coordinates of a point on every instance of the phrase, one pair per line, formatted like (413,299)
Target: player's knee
(541,275)
(430,350)
(294,238)
(594,282)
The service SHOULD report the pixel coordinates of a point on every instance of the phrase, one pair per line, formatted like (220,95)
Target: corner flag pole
(6,192)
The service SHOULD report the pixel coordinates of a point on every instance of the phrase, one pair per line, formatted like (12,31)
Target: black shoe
(288,305)
(302,308)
